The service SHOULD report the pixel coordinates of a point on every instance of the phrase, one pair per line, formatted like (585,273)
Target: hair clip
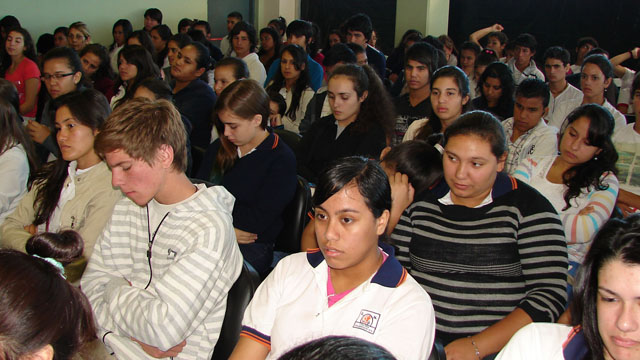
(53,262)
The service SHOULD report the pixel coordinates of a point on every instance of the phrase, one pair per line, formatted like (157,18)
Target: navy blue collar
(503,184)
(575,347)
(391,273)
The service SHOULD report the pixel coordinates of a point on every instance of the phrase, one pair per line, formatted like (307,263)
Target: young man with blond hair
(160,273)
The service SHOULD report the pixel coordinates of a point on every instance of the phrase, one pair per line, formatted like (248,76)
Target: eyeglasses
(48,77)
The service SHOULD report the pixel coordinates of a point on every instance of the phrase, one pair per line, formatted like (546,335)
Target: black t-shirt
(406,114)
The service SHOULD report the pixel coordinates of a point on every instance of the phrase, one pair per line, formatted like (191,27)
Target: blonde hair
(140,127)
(82,27)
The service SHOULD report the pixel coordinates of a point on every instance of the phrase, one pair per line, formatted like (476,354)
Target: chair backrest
(437,352)
(290,138)
(237,300)
(295,218)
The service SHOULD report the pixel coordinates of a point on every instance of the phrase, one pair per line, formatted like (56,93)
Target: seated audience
(142,38)
(626,143)
(522,65)
(61,74)
(202,32)
(160,295)
(318,107)
(420,63)
(74,191)
(121,31)
(449,49)
(486,286)
(580,183)
(485,58)
(228,71)
(280,25)
(556,66)
(604,312)
(233,18)
(395,61)
(175,43)
(495,91)
(19,66)
(583,46)
(255,166)
(333,37)
(79,36)
(293,83)
(160,35)
(18,159)
(244,42)
(361,122)
(596,76)
(60,36)
(496,39)
(299,32)
(449,99)
(135,64)
(42,315)
(527,133)
(184,25)
(152,18)
(96,67)
(361,53)
(353,278)
(269,46)
(358,29)
(469,51)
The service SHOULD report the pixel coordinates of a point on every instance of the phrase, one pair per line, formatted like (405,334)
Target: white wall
(40,16)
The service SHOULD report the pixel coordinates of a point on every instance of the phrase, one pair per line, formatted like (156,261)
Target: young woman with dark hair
(270,44)
(96,66)
(18,159)
(175,43)
(333,37)
(361,122)
(61,74)
(449,100)
(280,25)
(581,182)
(293,83)
(42,316)
(496,89)
(228,71)
(160,35)
(121,31)
(396,61)
(256,167)
(490,247)
(19,66)
(604,313)
(352,285)
(142,38)
(135,64)
(74,191)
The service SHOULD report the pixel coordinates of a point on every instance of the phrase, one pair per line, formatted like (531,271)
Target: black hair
(433,41)
(280,23)
(45,43)
(483,125)
(377,107)
(202,23)
(587,40)
(158,87)
(278,99)
(339,53)
(249,29)
(486,57)
(423,53)
(65,246)
(338,348)
(277,42)
(184,22)
(62,29)
(165,34)
(500,71)
(588,175)
(617,239)
(534,88)
(558,53)
(236,15)
(146,67)
(470,45)
(359,22)
(104,70)
(304,80)
(155,14)
(356,48)
(73,60)
(601,62)
(300,28)
(240,69)
(29,49)
(598,50)
(502,37)
(127,29)
(326,47)
(181,40)
(203,60)
(313,46)
(367,175)
(526,40)
(90,108)
(145,41)
(434,125)
(419,160)
(9,22)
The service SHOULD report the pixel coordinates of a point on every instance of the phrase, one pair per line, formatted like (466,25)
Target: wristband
(475,348)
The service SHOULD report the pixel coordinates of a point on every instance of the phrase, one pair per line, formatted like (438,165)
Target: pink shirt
(332,297)
(27,69)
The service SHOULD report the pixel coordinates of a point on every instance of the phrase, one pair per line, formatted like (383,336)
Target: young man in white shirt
(522,65)
(160,272)
(556,66)
(527,133)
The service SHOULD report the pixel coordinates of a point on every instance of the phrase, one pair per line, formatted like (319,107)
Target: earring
(595,158)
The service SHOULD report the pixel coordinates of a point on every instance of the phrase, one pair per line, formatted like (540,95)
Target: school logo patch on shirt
(367,321)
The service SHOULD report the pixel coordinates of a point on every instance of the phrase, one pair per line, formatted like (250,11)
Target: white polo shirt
(570,93)
(390,309)
(561,112)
